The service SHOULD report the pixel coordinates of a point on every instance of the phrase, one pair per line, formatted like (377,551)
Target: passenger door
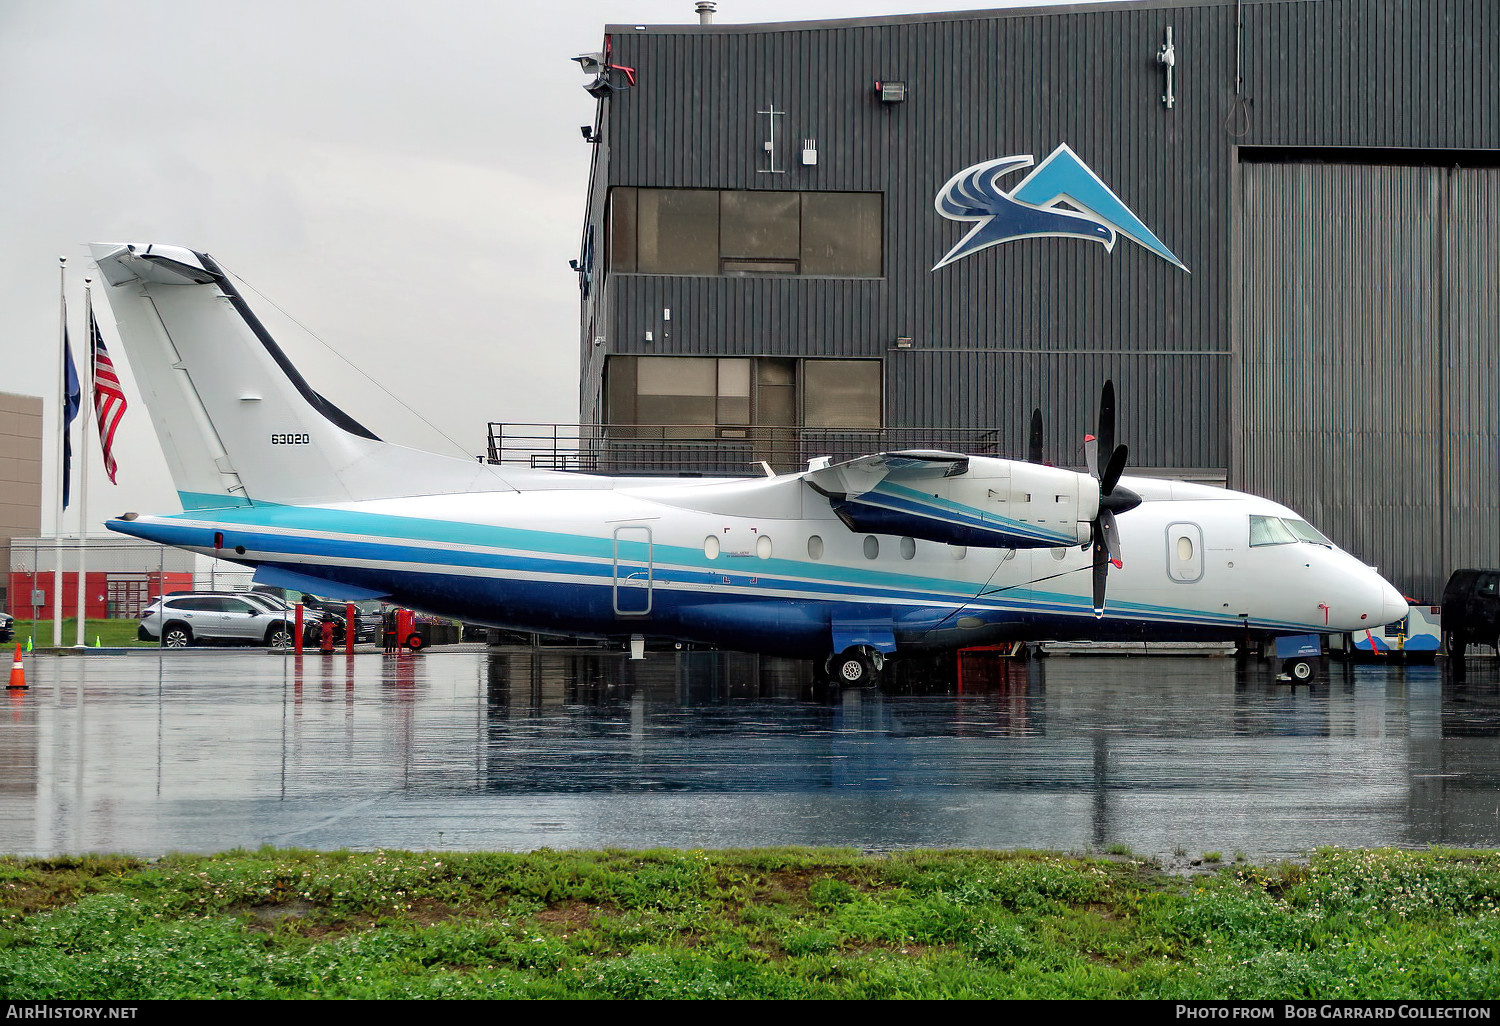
(240,620)
(1184,552)
(632,571)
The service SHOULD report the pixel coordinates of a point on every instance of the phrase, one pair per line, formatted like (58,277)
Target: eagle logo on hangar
(1061,198)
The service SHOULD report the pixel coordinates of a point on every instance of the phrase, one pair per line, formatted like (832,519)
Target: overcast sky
(404,179)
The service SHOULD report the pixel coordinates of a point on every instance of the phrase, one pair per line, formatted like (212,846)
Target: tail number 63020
(290,439)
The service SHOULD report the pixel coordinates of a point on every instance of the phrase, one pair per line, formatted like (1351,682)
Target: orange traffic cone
(17,673)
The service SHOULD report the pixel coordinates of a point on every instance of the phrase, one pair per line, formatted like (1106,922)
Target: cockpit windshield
(1284,531)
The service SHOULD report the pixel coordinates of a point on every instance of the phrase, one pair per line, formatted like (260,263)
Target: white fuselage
(765,565)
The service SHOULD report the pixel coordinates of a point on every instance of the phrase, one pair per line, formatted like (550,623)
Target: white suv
(178,621)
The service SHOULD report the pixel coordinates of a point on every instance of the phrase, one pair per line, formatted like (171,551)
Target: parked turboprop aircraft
(889,553)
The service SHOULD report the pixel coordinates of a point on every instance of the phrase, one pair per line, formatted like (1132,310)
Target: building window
(746,232)
(841,394)
(725,397)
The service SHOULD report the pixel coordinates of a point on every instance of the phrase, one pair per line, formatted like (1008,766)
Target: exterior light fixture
(1167,58)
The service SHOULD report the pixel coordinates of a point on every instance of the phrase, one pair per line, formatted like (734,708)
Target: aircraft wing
(857,476)
(956,499)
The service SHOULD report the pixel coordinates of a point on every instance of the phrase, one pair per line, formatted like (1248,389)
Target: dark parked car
(7,626)
(1471,610)
(366,616)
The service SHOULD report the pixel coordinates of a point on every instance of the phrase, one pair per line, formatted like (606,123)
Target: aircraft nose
(1392,606)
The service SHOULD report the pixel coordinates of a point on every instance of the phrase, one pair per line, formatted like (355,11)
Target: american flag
(109,401)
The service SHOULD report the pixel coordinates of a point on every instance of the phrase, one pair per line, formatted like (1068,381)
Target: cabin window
(1184,548)
(908,548)
(815,547)
(763,546)
(711,546)
(728,232)
(872,547)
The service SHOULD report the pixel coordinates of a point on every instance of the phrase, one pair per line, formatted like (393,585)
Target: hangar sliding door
(1366,370)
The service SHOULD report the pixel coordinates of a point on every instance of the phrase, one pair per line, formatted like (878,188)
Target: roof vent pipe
(705,11)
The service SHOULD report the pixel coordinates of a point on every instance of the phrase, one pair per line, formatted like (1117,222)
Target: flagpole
(62,434)
(83,471)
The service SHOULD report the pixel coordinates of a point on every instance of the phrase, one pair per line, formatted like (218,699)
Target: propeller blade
(1034,446)
(1101,571)
(1107,419)
(1114,470)
(1111,536)
(1091,455)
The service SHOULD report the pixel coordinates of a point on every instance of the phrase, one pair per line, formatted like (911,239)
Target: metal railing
(671,449)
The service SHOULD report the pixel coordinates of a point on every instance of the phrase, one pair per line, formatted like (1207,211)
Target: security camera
(591,63)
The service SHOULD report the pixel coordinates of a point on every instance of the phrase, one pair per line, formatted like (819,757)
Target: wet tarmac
(517,749)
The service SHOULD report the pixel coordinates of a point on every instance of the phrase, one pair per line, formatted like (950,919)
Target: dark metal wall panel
(979,88)
(1471,369)
(1398,73)
(1333,396)
(1368,372)
(999,390)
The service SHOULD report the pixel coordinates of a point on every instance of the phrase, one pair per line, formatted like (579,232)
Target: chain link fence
(118,579)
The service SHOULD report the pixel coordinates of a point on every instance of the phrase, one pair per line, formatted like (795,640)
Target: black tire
(176,635)
(414,641)
(1300,670)
(853,670)
(279,636)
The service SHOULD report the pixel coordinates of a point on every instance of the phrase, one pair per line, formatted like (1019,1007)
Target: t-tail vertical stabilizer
(238,424)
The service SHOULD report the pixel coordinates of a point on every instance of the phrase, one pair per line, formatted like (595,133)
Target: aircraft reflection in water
(514,749)
(704,721)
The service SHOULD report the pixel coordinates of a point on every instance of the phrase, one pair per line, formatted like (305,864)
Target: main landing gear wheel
(1300,670)
(854,668)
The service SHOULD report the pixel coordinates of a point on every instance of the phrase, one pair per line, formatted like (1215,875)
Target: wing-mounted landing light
(1113,498)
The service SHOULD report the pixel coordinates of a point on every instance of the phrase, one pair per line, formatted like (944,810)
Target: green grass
(770,923)
(109,633)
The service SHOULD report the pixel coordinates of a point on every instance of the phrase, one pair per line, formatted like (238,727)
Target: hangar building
(1274,224)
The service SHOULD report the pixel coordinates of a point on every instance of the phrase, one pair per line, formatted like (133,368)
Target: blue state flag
(72,397)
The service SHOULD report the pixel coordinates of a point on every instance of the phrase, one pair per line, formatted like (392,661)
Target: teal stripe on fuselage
(382,534)
(389,529)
